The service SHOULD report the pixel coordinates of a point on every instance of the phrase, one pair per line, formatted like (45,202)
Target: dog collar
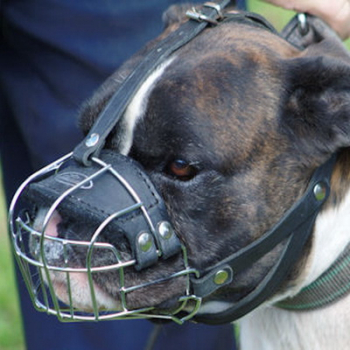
(331,286)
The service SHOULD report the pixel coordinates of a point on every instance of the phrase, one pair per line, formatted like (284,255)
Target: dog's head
(229,130)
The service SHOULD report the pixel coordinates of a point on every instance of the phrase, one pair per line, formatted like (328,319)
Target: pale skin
(334,12)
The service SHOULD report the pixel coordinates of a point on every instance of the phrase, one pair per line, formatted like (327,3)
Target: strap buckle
(201,17)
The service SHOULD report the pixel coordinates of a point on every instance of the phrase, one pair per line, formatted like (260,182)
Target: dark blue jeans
(54,54)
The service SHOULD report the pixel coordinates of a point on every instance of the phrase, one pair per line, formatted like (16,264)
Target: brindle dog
(230,129)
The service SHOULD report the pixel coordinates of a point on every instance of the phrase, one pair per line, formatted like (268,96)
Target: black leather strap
(116,106)
(296,226)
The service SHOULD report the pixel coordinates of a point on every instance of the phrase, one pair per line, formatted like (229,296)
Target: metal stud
(145,241)
(165,229)
(221,277)
(92,140)
(302,24)
(320,191)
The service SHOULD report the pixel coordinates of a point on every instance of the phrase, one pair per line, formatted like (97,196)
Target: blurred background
(11,335)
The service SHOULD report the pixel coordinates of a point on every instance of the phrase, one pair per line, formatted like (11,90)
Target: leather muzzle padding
(121,188)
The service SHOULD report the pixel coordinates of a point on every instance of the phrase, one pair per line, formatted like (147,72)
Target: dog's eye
(181,169)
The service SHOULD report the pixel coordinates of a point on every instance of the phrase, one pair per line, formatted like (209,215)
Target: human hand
(334,12)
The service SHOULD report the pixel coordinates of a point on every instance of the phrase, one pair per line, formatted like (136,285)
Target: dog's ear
(175,14)
(316,114)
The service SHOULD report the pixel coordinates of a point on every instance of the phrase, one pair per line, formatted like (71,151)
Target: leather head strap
(210,14)
(109,117)
(295,226)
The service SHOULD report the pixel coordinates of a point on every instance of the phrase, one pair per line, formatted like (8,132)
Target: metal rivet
(165,230)
(302,24)
(221,277)
(320,191)
(145,241)
(92,140)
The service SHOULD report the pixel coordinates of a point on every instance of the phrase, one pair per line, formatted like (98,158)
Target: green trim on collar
(331,286)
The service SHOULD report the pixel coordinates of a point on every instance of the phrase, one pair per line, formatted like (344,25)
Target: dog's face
(229,129)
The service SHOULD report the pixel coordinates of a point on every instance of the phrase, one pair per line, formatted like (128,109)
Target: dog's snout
(100,238)
(47,224)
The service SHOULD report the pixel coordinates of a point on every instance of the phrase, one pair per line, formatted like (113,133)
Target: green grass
(277,16)
(11,335)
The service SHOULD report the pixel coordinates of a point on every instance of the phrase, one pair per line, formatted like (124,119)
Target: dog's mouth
(97,266)
(58,252)
(114,259)
(101,275)
(99,284)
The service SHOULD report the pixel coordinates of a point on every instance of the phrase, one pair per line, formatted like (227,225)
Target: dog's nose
(45,224)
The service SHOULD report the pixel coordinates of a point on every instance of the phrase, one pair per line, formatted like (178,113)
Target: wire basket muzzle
(127,222)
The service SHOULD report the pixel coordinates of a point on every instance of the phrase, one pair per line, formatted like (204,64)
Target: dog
(230,129)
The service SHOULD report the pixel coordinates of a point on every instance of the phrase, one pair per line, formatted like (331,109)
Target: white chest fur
(271,328)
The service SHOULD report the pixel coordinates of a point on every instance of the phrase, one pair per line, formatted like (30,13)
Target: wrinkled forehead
(228,78)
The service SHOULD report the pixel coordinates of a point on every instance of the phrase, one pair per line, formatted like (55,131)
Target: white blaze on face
(137,107)
(81,294)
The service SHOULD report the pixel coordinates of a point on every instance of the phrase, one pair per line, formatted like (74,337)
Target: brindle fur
(256,116)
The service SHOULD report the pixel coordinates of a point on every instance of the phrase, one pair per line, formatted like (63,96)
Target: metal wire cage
(31,245)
